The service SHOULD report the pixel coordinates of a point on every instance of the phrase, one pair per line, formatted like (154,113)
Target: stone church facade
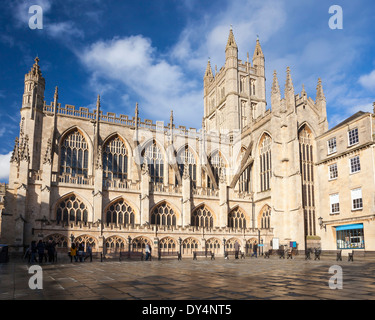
(249,175)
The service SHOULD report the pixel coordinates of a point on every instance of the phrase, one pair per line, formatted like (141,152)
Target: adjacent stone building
(251,174)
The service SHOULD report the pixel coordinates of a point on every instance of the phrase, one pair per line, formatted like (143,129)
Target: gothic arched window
(71,209)
(167,244)
(74,155)
(217,165)
(186,156)
(120,212)
(202,217)
(115,244)
(265,162)
(115,160)
(236,219)
(307,174)
(163,215)
(154,159)
(265,218)
(139,243)
(213,244)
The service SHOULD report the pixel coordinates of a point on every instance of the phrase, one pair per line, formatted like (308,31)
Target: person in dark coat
(255,250)
(33,251)
(51,251)
(236,249)
(40,248)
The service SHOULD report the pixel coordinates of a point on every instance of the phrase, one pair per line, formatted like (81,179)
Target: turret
(258,59)
(32,113)
(320,104)
(258,85)
(231,51)
(289,92)
(33,96)
(208,76)
(275,94)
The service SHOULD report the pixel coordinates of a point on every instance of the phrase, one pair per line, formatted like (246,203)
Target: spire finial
(98,102)
(171,119)
(289,83)
(231,42)
(319,91)
(275,83)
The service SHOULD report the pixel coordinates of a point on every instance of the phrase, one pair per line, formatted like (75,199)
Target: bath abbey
(252,173)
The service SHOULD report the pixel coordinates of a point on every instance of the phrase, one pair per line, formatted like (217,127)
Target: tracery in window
(154,159)
(202,217)
(217,164)
(186,156)
(71,210)
(115,160)
(237,219)
(265,163)
(74,155)
(163,215)
(120,213)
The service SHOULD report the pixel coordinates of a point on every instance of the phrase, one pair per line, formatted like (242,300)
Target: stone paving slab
(170,279)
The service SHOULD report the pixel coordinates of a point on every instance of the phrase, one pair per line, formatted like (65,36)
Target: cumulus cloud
(368,81)
(53,29)
(135,63)
(4,166)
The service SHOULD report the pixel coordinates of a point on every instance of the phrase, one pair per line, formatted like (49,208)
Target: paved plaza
(202,279)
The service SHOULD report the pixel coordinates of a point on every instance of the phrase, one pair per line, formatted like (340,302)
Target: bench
(169,254)
(308,254)
(338,255)
(234,253)
(131,254)
(267,254)
(281,253)
(351,256)
(203,254)
(317,253)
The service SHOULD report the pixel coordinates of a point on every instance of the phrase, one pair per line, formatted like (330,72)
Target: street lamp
(129,243)
(320,219)
(180,242)
(224,245)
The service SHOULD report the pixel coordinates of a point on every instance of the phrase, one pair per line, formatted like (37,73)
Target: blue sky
(155,53)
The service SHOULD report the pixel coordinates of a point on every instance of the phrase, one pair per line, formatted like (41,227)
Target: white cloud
(368,80)
(63,29)
(53,29)
(4,166)
(135,63)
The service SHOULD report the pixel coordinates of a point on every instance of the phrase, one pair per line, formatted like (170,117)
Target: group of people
(37,252)
(79,253)
(237,250)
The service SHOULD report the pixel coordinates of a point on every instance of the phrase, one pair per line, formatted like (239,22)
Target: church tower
(32,114)
(235,96)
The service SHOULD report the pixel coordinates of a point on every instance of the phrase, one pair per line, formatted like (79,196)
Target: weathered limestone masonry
(249,175)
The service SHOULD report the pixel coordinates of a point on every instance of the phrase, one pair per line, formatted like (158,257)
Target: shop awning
(350,226)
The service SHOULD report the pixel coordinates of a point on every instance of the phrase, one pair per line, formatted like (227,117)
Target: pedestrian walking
(255,250)
(33,251)
(236,249)
(148,251)
(81,251)
(88,252)
(51,251)
(73,253)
